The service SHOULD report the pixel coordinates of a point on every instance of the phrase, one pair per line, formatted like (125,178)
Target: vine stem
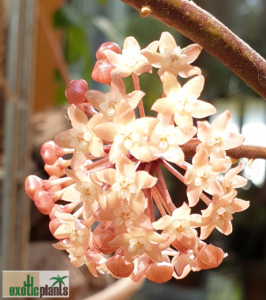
(204,29)
(248,151)
(135,79)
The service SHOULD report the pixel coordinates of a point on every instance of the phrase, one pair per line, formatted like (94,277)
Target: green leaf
(67,17)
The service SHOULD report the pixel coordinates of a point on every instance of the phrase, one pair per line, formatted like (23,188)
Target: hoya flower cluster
(113,180)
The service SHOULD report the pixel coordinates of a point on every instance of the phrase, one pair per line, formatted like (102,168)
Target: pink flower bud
(54,224)
(44,202)
(100,239)
(49,152)
(102,71)
(58,168)
(117,266)
(56,207)
(107,46)
(76,90)
(209,257)
(160,273)
(32,184)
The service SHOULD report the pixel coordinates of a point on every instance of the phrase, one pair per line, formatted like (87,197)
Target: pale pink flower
(172,58)
(85,190)
(131,59)
(202,176)
(74,230)
(107,103)
(121,214)
(232,181)
(219,213)
(180,226)
(182,102)
(126,183)
(165,140)
(127,134)
(215,139)
(139,240)
(81,137)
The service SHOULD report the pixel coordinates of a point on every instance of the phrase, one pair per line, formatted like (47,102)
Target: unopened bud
(44,202)
(118,267)
(32,184)
(160,272)
(76,90)
(209,257)
(100,239)
(107,46)
(102,71)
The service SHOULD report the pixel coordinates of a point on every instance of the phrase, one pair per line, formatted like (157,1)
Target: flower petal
(164,106)
(124,113)
(144,181)
(95,98)
(145,126)
(107,175)
(170,84)
(106,131)
(192,52)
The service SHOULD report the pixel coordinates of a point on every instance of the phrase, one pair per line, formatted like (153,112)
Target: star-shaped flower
(74,230)
(166,138)
(131,60)
(172,58)
(232,181)
(126,183)
(85,190)
(81,137)
(214,137)
(182,102)
(219,213)
(140,239)
(180,226)
(107,103)
(202,176)
(127,134)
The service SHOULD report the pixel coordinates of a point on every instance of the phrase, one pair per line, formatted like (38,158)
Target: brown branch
(202,28)
(248,151)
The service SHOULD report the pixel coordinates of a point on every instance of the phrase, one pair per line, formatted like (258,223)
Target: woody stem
(248,151)
(205,30)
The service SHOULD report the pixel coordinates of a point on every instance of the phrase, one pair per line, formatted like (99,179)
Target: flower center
(202,175)
(80,136)
(77,235)
(222,214)
(132,56)
(127,135)
(124,185)
(139,243)
(124,215)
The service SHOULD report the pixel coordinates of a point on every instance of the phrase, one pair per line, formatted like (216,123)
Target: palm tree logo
(59,280)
